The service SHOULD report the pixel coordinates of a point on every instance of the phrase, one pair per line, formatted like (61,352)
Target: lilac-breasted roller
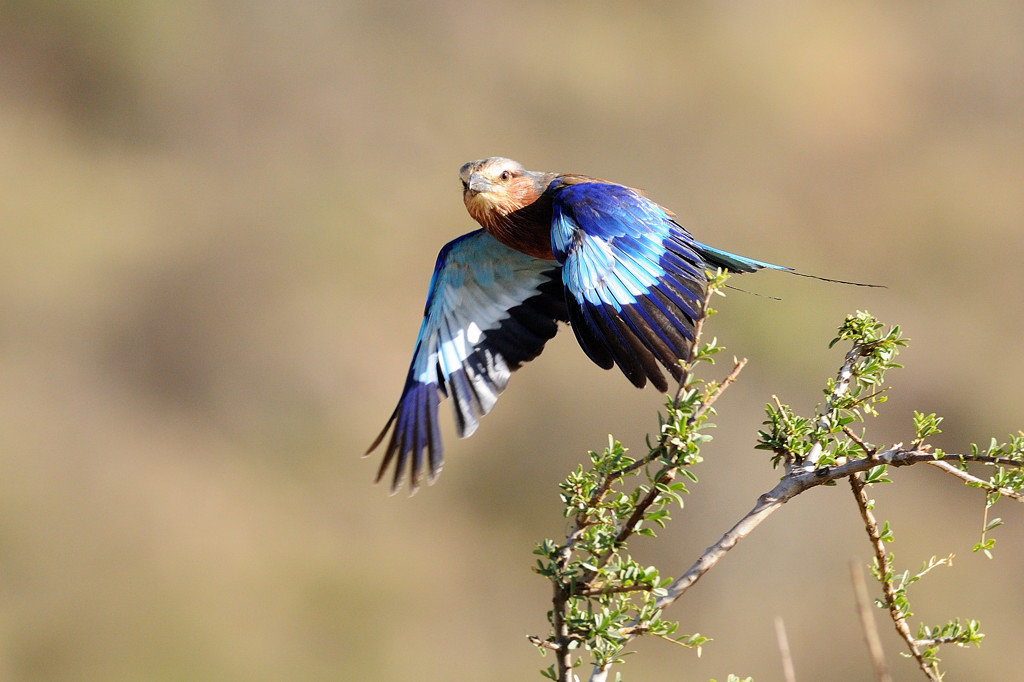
(616,266)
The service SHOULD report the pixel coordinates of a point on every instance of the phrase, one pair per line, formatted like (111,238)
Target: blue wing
(634,279)
(489,309)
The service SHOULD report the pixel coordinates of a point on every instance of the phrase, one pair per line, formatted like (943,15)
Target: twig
(542,643)
(937,641)
(729,379)
(867,623)
(559,600)
(596,591)
(840,388)
(563,654)
(788,672)
(974,480)
(899,619)
(868,450)
(640,510)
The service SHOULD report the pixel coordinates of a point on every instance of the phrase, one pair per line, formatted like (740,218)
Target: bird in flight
(616,266)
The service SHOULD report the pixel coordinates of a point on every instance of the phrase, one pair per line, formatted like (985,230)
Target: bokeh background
(218,220)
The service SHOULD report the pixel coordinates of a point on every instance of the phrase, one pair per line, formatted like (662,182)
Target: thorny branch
(899,618)
(815,468)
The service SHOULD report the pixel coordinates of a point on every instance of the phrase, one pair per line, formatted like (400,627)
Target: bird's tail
(735,263)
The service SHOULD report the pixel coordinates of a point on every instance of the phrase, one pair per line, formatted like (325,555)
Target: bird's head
(495,187)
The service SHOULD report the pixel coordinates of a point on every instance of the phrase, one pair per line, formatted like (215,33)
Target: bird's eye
(506,175)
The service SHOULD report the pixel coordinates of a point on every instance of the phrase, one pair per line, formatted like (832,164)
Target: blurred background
(218,223)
